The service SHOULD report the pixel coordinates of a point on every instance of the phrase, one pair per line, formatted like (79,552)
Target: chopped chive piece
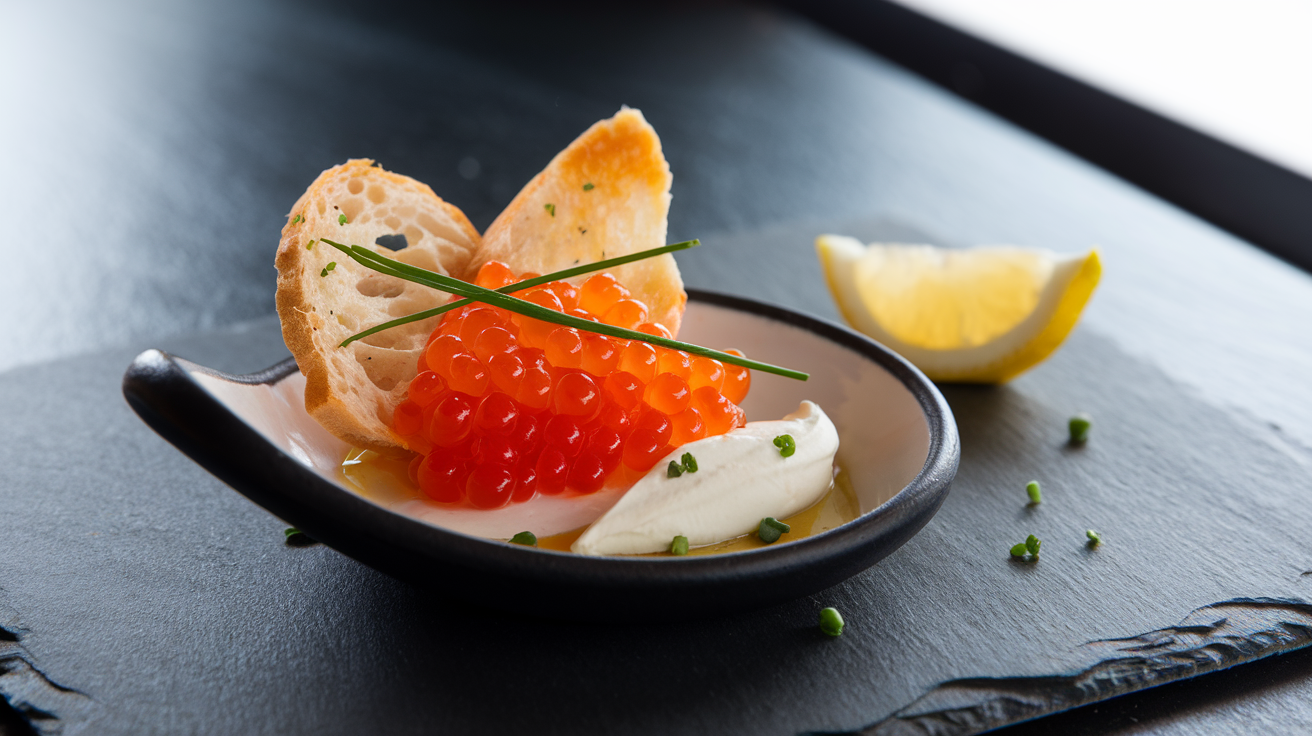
(1094,537)
(550,208)
(1032,488)
(679,547)
(770,529)
(831,621)
(787,446)
(331,265)
(310,245)
(587,187)
(689,463)
(442,282)
(674,471)
(528,539)
(1019,550)
(1032,544)
(297,538)
(341,219)
(1080,424)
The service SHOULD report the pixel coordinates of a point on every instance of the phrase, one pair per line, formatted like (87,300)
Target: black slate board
(143,596)
(177,600)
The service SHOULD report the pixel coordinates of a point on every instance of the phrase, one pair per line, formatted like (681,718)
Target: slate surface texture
(153,150)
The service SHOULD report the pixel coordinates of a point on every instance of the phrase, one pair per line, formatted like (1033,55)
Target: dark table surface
(152,152)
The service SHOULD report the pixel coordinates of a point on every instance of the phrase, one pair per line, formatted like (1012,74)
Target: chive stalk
(387,266)
(527,284)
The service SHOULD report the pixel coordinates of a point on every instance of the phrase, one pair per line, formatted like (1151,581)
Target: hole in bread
(408,304)
(386,367)
(421,257)
(323,206)
(376,194)
(406,211)
(452,257)
(376,284)
(395,241)
(413,235)
(393,222)
(386,339)
(352,208)
(415,299)
(439,229)
(355,186)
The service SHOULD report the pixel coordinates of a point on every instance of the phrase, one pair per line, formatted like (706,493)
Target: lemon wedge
(983,315)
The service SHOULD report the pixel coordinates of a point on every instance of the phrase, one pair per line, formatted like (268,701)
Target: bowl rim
(160,389)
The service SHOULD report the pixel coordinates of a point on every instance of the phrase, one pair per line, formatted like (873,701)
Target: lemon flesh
(982,315)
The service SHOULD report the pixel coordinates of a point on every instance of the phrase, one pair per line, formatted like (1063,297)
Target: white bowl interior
(883,433)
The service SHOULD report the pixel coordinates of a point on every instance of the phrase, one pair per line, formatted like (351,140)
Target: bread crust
(346,391)
(623,211)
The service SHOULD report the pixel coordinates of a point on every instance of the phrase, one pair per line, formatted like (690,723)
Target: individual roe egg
(426,388)
(577,394)
(639,360)
(667,393)
(600,292)
(627,313)
(600,354)
(565,348)
(737,380)
(490,485)
(706,372)
(494,275)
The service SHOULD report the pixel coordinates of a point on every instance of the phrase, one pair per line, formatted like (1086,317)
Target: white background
(1240,71)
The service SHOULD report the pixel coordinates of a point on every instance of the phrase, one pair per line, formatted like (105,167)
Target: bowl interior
(883,431)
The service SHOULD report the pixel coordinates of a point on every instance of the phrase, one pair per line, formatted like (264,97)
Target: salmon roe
(506,407)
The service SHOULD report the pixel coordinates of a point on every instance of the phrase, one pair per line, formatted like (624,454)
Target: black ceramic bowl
(899,446)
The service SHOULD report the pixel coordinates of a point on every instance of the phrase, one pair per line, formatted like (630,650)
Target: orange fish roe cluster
(506,407)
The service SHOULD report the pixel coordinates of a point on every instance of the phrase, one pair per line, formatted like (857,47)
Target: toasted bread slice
(352,391)
(606,195)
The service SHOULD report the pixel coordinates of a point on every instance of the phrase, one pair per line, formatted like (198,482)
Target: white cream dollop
(741,478)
